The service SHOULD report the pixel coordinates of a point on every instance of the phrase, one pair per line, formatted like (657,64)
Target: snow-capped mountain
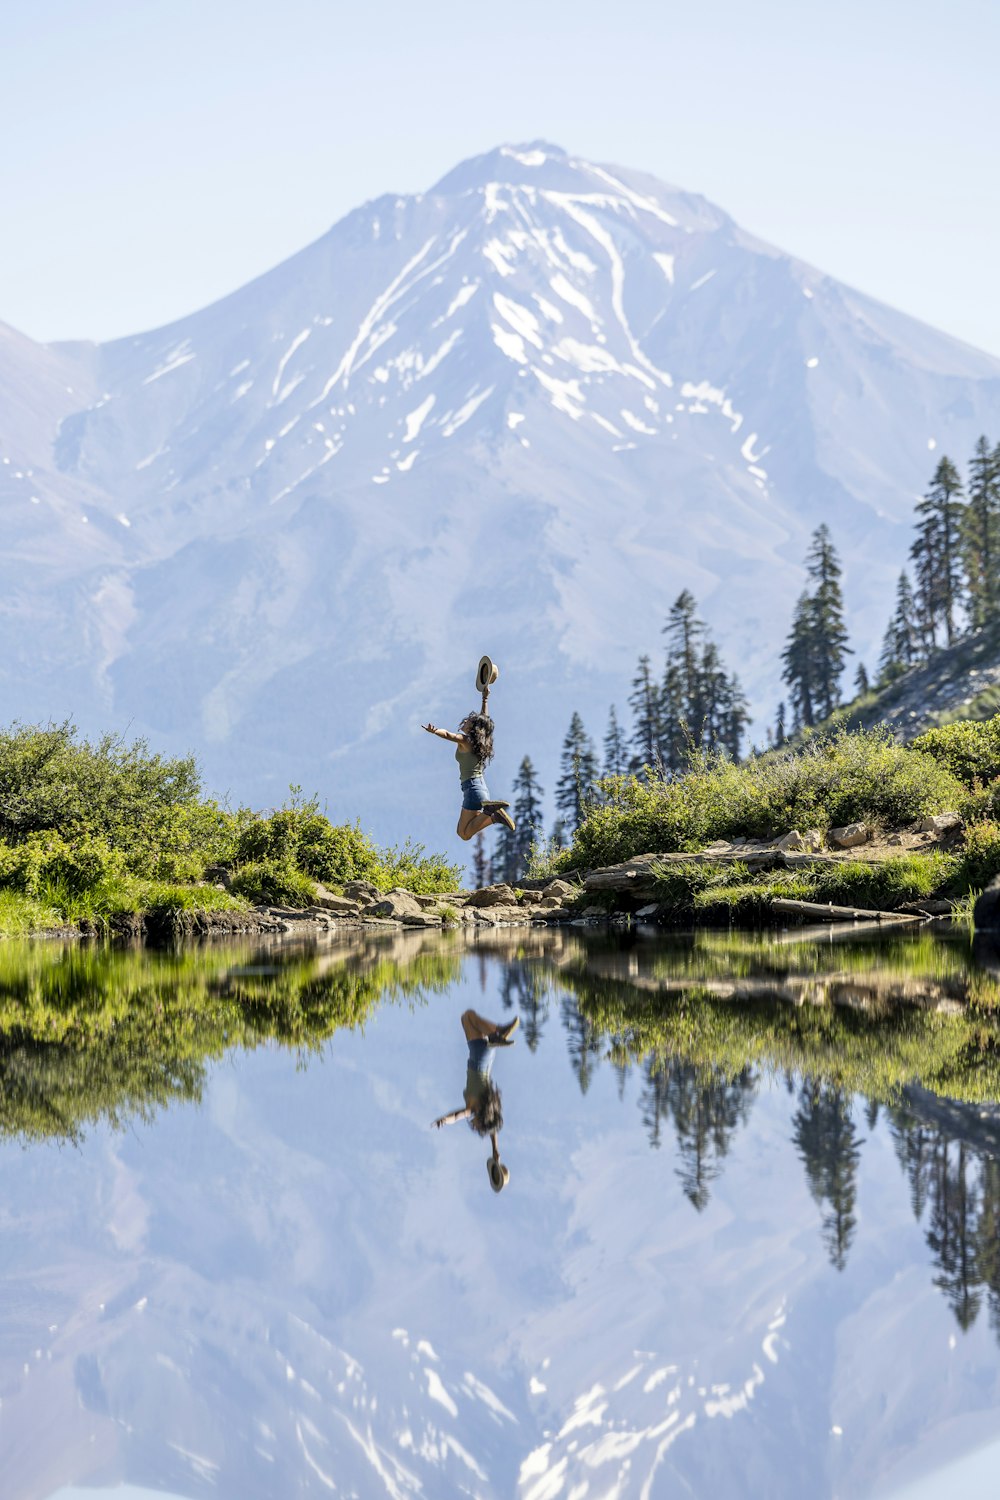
(516,414)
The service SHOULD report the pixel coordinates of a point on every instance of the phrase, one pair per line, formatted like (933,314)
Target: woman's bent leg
(472,822)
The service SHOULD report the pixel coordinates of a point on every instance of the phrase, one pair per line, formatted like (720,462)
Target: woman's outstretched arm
(456,1114)
(443,734)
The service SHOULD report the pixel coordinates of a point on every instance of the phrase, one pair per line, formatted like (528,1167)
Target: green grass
(729,892)
(20,915)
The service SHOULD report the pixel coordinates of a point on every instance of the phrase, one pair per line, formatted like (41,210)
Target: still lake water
(750,1245)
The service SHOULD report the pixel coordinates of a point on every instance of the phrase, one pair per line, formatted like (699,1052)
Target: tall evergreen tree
(615,750)
(779,725)
(981,538)
(577,774)
(799,667)
(645,705)
(685,635)
(735,716)
(480,871)
(516,846)
(937,554)
(700,705)
(901,645)
(829,632)
(861,683)
(813,658)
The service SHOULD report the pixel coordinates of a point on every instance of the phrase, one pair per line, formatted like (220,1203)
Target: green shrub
(409,866)
(299,835)
(970,750)
(273,882)
(47,858)
(827,782)
(980,858)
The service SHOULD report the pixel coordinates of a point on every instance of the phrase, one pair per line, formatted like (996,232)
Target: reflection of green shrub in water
(874,1050)
(90,1034)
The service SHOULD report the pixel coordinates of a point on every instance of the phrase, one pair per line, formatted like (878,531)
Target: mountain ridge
(517,416)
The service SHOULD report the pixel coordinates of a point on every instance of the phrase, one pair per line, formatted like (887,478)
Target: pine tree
(735,716)
(685,634)
(829,632)
(817,644)
(981,535)
(645,706)
(480,871)
(615,752)
(901,643)
(799,670)
(937,554)
(861,683)
(779,725)
(527,814)
(559,839)
(577,774)
(700,705)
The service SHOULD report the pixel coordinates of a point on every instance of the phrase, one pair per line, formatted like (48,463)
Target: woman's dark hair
(479,733)
(487,1114)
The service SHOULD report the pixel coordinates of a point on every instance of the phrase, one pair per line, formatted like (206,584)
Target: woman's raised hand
(430,728)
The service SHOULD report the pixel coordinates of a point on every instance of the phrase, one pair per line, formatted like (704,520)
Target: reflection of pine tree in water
(524,987)
(583,1041)
(705,1116)
(987,1237)
(827,1141)
(951,1233)
(959,1190)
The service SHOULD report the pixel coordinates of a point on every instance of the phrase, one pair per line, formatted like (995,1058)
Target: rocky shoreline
(619,894)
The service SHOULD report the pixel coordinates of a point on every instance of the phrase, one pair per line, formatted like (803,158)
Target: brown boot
(503,816)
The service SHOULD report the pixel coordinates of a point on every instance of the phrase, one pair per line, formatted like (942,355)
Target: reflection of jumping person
(475,747)
(482,1097)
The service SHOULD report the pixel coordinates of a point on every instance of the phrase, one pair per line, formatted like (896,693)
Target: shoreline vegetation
(110,839)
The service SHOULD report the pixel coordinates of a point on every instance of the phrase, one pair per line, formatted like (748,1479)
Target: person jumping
(475,748)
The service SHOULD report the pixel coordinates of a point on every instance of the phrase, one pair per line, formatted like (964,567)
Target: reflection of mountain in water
(294,1289)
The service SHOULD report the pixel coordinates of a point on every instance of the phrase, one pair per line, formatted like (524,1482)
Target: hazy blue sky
(158,153)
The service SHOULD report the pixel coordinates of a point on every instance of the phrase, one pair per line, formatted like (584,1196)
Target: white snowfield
(516,414)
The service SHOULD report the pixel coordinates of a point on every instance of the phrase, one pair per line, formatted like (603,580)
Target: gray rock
(791,841)
(850,836)
(342,905)
(940,823)
(561,888)
(396,904)
(648,913)
(362,890)
(986,913)
(492,895)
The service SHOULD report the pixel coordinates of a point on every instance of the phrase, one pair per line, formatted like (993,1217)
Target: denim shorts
(474,793)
